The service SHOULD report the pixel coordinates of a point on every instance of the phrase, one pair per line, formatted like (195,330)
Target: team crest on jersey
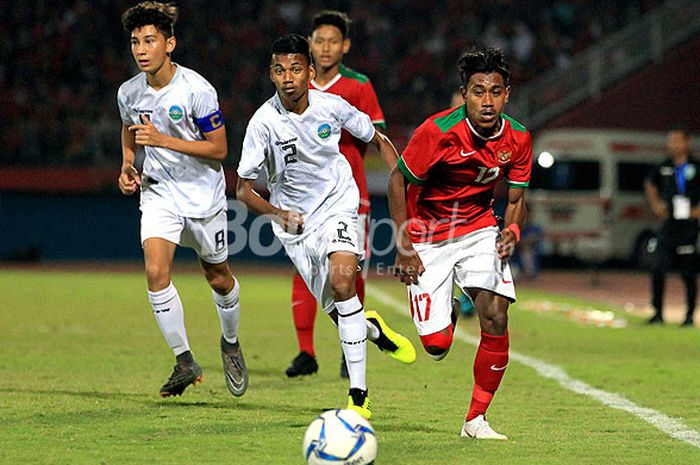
(690,172)
(175,113)
(504,157)
(324,131)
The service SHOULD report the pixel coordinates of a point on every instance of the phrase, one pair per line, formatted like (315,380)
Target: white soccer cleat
(479,428)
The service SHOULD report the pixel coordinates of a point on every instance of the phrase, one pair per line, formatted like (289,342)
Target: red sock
(360,286)
(304,310)
(489,365)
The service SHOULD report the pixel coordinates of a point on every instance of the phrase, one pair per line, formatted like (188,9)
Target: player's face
(150,48)
(677,143)
(485,95)
(291,74)
(328,46)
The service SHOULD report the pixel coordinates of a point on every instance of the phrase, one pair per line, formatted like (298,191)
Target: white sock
(229,313)
(352,329)
(167,308)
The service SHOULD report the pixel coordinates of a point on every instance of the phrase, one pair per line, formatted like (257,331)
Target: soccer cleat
(343,368)
(303,364)
(235,371)
(397,346)
(657,319)
(479,428)
(358,400)
(185,372)
(687,322)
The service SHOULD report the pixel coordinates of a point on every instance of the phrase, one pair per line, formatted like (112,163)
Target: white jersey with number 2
(305,170)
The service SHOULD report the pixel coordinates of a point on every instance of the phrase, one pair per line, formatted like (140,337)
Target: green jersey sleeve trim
(348,72)
(407,172)
(517,185)
(516,125)
(447,122)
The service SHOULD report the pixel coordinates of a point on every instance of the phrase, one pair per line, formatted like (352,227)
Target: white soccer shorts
(207,236)
(310,256)
(470,261)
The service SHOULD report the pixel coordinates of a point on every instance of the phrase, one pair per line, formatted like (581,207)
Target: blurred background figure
(528,254)
(673,191)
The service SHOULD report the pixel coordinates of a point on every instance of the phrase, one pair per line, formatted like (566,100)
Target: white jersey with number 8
(186,108)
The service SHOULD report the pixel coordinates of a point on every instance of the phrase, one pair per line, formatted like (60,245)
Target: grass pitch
(82,360)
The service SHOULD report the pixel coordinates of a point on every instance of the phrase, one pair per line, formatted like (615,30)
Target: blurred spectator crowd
(62,62)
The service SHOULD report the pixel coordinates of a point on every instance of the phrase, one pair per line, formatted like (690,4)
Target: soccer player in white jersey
(172,114)
(314,199)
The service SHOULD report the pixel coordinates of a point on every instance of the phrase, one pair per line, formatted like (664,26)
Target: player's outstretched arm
(291,221)
(514,217)
(129,178)
(408,264)
(386,149)
(214,147)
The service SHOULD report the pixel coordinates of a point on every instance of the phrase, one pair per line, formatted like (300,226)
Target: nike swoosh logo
(495,368)
(505,282)
(236,383)
(466,154)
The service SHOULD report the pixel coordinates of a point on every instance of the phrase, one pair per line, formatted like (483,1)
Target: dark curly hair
(332,18)
(161,15)
(483,61)
(292,43)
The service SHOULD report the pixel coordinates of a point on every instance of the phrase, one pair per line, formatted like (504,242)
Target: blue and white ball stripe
(340,437)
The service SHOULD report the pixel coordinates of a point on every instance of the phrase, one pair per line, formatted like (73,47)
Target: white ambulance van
(587,192)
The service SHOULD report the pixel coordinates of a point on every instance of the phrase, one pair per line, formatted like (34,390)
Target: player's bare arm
(386,149)
(291,221)
(657,205)
(408,264)
(129,178)
(514,217)
(214,147)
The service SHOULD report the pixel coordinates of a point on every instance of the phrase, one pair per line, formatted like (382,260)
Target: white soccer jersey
(305,170)
(186,108)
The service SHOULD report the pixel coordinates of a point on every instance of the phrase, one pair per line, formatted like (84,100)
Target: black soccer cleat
(235,370)
(185,372)
(302,365)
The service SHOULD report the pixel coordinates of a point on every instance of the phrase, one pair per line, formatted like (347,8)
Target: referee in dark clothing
(673,191)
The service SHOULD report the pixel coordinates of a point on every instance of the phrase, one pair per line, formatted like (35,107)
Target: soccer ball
(340,437)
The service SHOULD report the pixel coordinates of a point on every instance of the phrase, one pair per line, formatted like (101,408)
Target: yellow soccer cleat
(359,402)
(397,346)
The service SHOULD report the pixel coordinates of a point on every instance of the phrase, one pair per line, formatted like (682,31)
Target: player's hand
(129,180)
(408,266)
(291,221)
(505,245)
(147,134)
(660,211)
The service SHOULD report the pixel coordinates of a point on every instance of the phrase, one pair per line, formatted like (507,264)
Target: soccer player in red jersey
(330,41)
(446,228)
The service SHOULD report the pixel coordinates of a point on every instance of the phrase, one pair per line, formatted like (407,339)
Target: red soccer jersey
(453,171)
(358,91)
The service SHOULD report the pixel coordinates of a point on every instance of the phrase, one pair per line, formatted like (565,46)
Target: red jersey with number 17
(358,91)
(453,171)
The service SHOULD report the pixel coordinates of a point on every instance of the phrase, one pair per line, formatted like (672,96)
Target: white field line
(671,426)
